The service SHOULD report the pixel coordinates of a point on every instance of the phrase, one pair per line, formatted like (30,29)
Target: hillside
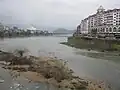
(63,31)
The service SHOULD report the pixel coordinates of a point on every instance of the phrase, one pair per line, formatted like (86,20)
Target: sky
(51,13)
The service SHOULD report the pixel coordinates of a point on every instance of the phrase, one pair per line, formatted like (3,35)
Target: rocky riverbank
(48,70)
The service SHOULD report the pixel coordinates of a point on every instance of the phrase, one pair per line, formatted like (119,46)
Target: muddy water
(94,65)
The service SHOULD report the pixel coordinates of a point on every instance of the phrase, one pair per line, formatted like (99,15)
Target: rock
(71,71)
(4,67)
(102,50)
(83,82)
(74,81)
(55,57)
(99,86)
(18,68)
(59,86)
(52,81)
(75,77)
(2,81)
(32,68)
(66,84)
(21,61)
(78,85)
(89,49)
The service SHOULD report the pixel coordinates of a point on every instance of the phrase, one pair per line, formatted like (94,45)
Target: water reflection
(114,57)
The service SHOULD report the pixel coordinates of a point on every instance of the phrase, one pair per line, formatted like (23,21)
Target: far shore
(99,45)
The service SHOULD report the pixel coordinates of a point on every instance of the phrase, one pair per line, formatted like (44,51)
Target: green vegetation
(116,47)
(93,44)
(77,42)
(6,31)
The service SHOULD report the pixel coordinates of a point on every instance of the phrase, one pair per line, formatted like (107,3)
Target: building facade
(103,22)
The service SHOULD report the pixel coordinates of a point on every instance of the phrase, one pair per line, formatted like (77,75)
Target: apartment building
(103,22)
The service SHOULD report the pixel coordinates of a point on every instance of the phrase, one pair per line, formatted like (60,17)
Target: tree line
(15,32)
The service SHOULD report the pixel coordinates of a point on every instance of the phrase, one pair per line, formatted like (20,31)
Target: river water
(91,64)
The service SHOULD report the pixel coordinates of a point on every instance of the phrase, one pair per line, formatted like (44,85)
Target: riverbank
(102,45)
(46,69)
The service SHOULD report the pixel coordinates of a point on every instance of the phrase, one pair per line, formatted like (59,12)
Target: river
(90,64)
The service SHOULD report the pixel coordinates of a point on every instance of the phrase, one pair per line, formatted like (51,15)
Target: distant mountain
(44,28)
(63,31)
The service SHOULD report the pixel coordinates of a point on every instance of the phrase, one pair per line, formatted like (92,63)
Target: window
(114,29)
(110,29)
(106,29)
(103,30)
(119,29)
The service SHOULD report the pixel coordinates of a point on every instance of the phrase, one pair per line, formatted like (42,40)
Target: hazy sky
(53,13)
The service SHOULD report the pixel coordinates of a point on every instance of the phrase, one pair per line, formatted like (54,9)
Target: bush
(54,69)
(116,47)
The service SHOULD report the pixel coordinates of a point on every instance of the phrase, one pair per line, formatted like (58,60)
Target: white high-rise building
(102,22)
(84,26)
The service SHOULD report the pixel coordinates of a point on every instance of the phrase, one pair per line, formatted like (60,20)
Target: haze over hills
(39,27)
(63,31)
(47,28)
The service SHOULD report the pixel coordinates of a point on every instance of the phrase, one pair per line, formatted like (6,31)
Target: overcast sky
(51,13)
